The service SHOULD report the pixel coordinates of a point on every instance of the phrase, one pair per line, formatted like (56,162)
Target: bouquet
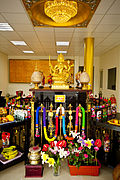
(53,153)
(83,152)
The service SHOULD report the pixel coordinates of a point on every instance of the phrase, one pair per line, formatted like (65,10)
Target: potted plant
(53,153)
(82,159)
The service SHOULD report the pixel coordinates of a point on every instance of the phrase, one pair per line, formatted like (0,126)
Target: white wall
(109,60)
(4,71)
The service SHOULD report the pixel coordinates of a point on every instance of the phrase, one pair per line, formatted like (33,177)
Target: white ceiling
(104,27)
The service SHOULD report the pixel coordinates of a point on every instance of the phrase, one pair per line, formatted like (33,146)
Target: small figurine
(113,105)
(50,81)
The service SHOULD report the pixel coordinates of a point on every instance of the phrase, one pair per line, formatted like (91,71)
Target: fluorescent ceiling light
(5,27)
(19,43)
(63,52)
(28,51)
(62,43)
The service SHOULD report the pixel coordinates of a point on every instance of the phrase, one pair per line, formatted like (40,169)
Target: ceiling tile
(28,36)
(108,42)
(103,6)
(19,18)
(11,36)
(64,30)
(57,35)
(111,19)
(96,18)
(117,30)
(2,19)
(114,35)
(100,34)
(43,29)
(107,28)
(22,27)
(115,8)
(11,6)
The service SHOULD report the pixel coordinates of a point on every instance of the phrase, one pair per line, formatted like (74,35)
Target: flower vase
(56,170)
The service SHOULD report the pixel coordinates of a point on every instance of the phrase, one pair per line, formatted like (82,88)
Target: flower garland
(83,119)
(37,121)
(44,126)
(63,122)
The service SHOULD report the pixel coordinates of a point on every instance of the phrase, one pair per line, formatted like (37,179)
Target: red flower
(77,154)
(52,144)
(64,143)
(80,148)
(59,144)
(98,143)
(45,147)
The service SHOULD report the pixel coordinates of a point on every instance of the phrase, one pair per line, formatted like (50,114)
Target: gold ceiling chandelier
(60,11)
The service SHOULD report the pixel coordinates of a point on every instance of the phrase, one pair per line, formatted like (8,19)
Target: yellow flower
(44,157)
(51,162)
(89,143)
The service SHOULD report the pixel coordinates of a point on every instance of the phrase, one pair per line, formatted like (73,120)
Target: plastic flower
(96,148)
(71,142)
(77,154)
(51,162)
(86,155)
(82,141)
(61,152)
(98,143)
(59,144)
(89,143)
(52,144)
(64,143)
(44,157)
(52,150)
(45,147)
(80,148)
(74,134)
(66,153)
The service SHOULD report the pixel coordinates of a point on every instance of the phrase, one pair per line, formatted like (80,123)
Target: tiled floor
(17,172)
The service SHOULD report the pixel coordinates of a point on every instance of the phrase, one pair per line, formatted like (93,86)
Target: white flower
(61,152)
(74,134)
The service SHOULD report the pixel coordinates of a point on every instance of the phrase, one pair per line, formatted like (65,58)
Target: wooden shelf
(58,90)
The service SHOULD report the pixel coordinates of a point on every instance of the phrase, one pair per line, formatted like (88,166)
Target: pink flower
(68,153)
(71,142)
(80,148)
(85,155)
(96,148)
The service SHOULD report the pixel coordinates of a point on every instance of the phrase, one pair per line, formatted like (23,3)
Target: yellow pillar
(88,58)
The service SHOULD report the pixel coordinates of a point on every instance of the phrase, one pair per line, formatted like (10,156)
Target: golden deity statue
(60,73)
